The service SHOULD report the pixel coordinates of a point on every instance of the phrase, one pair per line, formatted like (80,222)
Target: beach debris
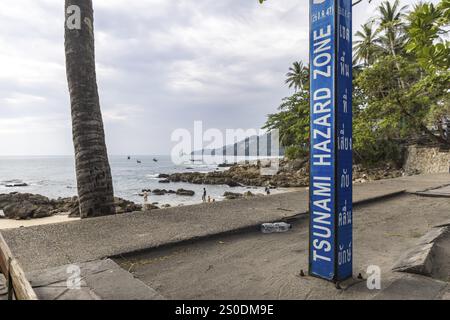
(276,227)
(210,267)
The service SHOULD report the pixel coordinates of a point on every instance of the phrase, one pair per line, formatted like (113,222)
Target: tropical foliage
(297,76)
(401,85)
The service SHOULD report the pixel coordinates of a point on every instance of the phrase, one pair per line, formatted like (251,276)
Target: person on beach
(267,190)
(209,198)
(204,195)
(145,196)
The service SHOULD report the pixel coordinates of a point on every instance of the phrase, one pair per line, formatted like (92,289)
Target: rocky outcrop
(290,174)
(14,185)
(26,206)
(150,206)
(245,175)
(31,206)
(161,192)
(385,171)
(122,206)
(179,192)
(232,195)
(204,178)
(183,192)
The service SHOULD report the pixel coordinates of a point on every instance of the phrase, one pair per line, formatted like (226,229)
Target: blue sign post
(330,253)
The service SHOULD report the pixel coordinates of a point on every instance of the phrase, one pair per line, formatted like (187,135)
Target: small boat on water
(155,160)
(138,161)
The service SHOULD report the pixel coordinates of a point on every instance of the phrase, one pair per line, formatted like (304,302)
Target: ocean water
(54,176)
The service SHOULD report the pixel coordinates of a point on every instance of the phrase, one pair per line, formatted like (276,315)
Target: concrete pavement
(253,265)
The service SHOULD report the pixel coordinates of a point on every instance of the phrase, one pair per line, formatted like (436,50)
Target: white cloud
(23,99)
(119,113)
(161,64)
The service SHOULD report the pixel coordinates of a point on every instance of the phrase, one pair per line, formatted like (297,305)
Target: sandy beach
(12,224)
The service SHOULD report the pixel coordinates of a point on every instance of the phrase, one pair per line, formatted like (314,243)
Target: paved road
(48,246)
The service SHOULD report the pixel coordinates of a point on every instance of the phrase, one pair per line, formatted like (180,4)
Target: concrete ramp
(431,256)
(96,280)
(415,287)
(436,192)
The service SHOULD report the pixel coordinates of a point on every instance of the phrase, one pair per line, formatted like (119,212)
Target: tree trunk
(391,42)
(93,173)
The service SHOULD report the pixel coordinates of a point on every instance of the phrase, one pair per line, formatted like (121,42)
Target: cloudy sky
(161,64)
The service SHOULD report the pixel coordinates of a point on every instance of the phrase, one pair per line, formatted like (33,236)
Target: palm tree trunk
(391,43)
(93,173)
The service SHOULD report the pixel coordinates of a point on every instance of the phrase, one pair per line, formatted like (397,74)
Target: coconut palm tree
(93,173)
(297,76)
(367,44)
(391,24)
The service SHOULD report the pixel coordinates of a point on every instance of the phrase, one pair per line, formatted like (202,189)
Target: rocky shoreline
(21,206)
(291,174)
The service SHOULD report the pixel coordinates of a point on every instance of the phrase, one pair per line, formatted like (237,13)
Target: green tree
(297,76)
(292,120)
(427,29)
(367,45)
(392,25)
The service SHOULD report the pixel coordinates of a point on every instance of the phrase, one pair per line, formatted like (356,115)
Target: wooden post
(12,270)
(9,281)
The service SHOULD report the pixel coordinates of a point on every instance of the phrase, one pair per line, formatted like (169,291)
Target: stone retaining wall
(426,160)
